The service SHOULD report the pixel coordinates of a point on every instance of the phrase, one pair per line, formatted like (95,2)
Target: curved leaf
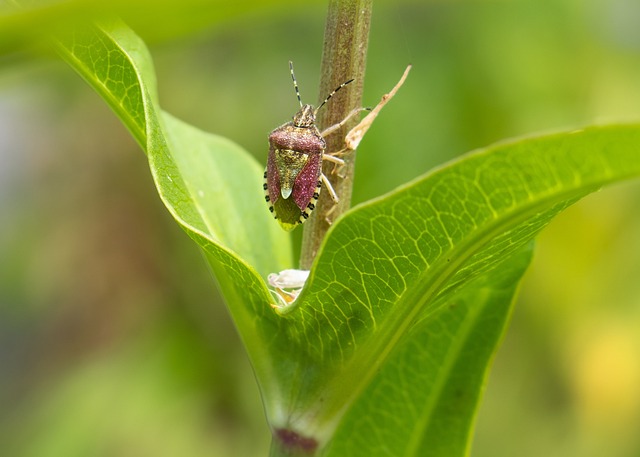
(415,277)
(118,66)
(397,260)
(424,399)
(211,186)
(208,182)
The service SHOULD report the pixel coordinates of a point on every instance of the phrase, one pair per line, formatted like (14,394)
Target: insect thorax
(303,139)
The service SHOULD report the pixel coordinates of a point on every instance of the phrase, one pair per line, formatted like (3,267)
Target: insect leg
(331,157)
(335,127)
(337,162)
(332,193)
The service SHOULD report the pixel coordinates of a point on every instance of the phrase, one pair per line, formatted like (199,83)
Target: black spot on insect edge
(296,154)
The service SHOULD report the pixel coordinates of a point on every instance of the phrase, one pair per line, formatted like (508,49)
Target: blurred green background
(113,338)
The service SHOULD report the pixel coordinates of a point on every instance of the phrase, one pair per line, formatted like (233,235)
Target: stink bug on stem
(293,177)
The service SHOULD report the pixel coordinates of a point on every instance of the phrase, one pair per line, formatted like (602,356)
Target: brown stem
(346,38)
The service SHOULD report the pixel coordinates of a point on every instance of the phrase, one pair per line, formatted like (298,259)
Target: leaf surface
(423,400)
(211,186)
(399,259)
(410,293)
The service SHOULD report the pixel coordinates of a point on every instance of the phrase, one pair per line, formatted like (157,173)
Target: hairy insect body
(294,167)
(293,177)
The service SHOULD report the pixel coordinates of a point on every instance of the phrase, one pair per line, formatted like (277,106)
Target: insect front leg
(331,157)
(335,127)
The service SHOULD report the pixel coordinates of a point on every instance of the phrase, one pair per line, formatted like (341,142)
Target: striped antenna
(295,83)
(331,94)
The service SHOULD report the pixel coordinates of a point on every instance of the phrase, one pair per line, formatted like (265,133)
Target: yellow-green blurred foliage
(113,339)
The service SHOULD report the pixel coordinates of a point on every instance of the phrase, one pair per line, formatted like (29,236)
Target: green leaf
(211,186)
(208,183)
(118,66)
(402,257)
(410,292)
(423,400)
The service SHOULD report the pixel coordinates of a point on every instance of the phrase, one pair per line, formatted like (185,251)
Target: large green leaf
(410,292)
(208,183)
(423,400)
(399,258)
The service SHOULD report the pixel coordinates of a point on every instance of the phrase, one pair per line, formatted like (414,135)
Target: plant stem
(346,38)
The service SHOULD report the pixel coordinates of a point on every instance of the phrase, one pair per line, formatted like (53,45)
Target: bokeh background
(113,338)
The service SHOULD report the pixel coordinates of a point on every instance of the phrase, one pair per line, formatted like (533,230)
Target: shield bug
(293,177)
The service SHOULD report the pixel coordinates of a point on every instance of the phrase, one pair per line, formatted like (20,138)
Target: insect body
(293,177)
